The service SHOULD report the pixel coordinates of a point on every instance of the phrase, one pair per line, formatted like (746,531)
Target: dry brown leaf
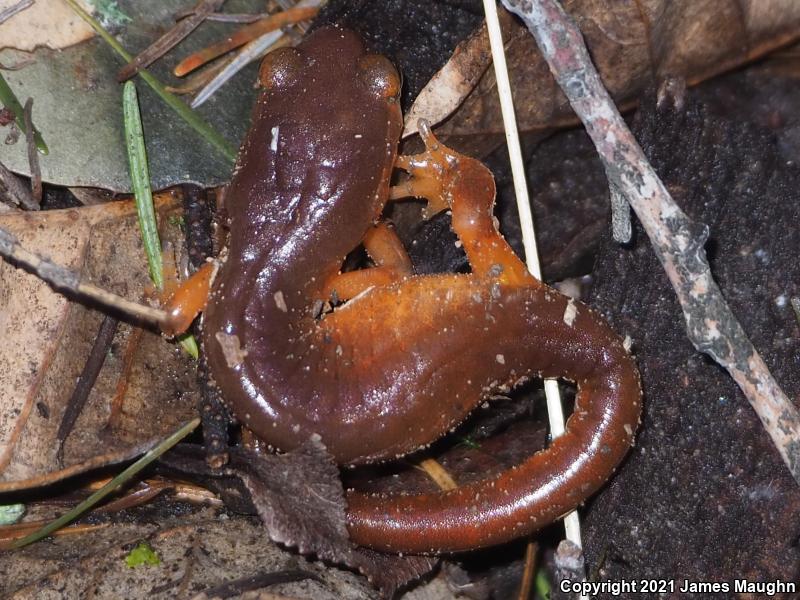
(300,499)
(452,83)
(50,23)
(198,550)
(46,340)
(634,43)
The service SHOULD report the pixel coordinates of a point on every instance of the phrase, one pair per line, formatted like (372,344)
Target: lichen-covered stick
(677,241)
(63,279)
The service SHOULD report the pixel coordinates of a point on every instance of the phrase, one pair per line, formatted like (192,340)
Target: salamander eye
(281,68)
(380,76)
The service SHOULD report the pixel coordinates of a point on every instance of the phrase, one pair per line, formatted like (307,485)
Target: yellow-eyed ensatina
(407,357)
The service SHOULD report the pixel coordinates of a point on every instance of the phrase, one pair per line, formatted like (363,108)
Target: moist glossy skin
(402,363)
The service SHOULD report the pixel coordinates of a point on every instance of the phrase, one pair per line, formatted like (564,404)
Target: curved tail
(524,498)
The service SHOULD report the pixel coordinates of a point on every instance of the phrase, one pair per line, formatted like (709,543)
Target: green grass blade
(9,100)
(140,180)
(111,486)
(189,345)
(542,585)
(175,103)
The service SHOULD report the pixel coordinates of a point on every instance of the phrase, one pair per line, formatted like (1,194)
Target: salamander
(401,359)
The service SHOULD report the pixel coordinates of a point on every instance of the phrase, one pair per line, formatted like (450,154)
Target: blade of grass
(542,585)
(111,486)
(189,345)
(9,100)
(140,181)
(175,103)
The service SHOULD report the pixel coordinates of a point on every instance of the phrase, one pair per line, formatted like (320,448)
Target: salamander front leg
(189,300)
(391,264)
(447,179)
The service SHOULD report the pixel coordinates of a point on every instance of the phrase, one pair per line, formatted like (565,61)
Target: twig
(252,51)
(9,534)
(33,155)
(297,31)
(248,54)
(62,279)
(529,574)
(440,476)
(242,18)
(12,188)
(197,81)
(91,369)
(245,584)
(176,104)
(12,10)
(167,41)
(621,228)
(555,411)
(678,242)
(9,100)
(118,399)
(242,36)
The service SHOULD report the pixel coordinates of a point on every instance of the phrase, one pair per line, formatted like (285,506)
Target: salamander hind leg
(447,179)
(392,263)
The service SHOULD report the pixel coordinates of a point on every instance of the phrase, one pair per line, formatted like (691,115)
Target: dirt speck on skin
(231,349)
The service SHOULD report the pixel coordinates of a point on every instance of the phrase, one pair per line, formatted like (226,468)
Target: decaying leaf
(78,106)
(301,502)
(445,92)
(300,498)
(50,23)
(47,338)
(199,550)
(633,43)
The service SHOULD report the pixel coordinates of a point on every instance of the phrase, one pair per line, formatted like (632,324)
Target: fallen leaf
(198,550)
(47,339)
(452,83)
(301,502)
(300,499)
(50,23)
(633,45)
(78,107)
